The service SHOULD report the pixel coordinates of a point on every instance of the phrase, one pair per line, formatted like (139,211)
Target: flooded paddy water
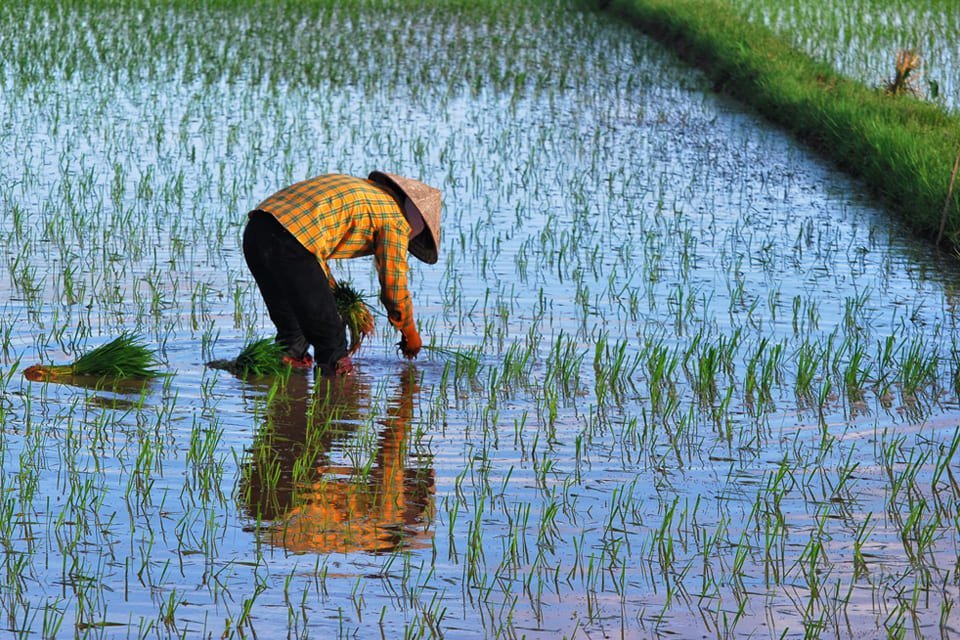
(705,386)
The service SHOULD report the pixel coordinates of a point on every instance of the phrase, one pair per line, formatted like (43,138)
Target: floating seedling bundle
(263,357)
(123,357)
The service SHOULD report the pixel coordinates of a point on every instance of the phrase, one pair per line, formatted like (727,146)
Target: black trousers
(296,291)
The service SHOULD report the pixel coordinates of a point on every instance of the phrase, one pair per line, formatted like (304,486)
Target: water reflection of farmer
(307,503)
(291,235)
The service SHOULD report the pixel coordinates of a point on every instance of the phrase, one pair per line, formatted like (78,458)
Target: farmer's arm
(391,258)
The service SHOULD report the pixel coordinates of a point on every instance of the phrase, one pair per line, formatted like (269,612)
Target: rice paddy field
(684,378)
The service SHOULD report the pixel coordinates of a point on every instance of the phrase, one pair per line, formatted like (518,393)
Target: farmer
(291,235)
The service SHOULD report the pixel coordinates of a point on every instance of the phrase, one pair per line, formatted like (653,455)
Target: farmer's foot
(302,363)
(344,367)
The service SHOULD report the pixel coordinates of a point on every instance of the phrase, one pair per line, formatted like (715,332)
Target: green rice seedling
(209,338)
(917,533)
(771,372)
(856,373)
(860,536)
(803,315)
(123,357)
(168,608)
(917,368)
(955,371)
(763,371)
(563,364)
(946,606)
(886,361)
(517,362)
(466,361)
(824,395)
(943,464)
(701,363)
(613,369)
(661,368)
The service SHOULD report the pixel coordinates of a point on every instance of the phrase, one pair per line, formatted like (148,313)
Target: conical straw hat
(428,202)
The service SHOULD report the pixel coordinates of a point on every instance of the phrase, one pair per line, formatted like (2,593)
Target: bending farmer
(291,235)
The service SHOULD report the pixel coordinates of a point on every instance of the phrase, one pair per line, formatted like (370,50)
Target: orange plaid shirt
(337,216)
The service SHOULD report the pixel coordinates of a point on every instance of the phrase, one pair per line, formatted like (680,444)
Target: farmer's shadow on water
(330,470)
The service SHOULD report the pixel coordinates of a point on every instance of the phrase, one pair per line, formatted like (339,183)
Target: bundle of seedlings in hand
(355,314)
(124,357)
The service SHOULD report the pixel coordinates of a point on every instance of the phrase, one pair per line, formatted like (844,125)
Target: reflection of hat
(428,202)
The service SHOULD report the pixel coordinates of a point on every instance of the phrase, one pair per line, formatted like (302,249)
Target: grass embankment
(903,148)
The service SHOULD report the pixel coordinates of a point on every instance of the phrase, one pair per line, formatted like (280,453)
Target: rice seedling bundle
(262,357)
(123,357)
(355,313)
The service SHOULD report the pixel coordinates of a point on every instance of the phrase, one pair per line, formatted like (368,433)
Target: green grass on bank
(902,147)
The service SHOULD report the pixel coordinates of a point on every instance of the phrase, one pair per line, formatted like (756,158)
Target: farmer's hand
(410,344)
